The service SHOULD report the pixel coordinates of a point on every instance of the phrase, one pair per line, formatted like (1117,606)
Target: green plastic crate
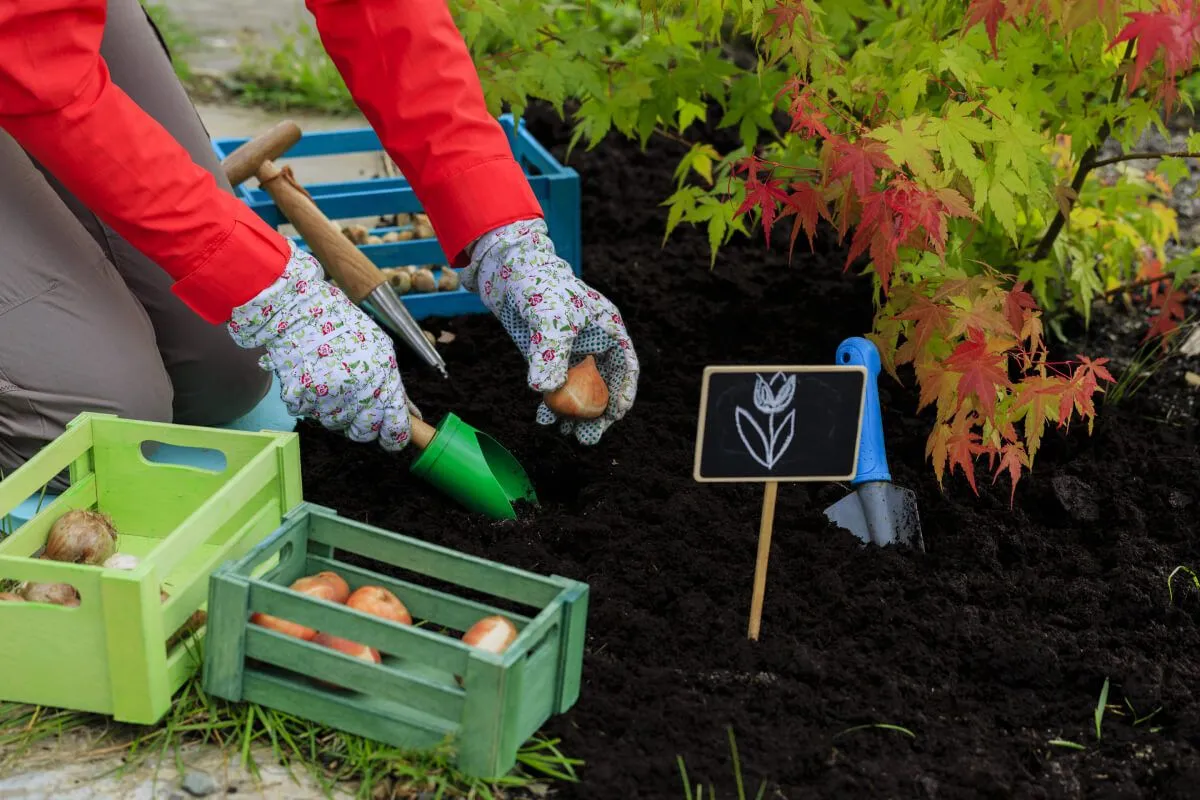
(108,655)
(411,700)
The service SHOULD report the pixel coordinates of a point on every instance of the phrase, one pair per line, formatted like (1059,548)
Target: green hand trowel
(475,470)
(470,467)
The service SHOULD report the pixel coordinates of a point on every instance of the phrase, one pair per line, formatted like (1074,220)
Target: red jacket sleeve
(58,102)
(410,73)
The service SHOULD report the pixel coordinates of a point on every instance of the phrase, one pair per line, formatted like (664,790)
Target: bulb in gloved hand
(583,396)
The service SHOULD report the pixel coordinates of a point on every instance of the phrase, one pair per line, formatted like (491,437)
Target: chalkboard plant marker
(807,428)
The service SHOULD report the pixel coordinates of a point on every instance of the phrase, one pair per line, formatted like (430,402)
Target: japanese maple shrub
(953,145)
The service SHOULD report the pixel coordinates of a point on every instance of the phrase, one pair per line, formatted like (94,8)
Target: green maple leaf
(957,136)
(1015,141)
(912,87)
(909,144)
(1000,201)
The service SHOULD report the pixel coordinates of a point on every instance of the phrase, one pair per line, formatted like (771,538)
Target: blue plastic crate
(555,186)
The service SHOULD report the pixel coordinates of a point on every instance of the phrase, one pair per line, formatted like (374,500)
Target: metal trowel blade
(881,513)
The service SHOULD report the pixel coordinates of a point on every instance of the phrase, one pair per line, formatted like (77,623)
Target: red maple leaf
(1150,270)
(1170,314)
(876,232)
(1012,458)
(991,13)
(930,318)
(808,204)
(1077,392)
(785,13)
(861,160)
(1017,305)
(1172,29)
(806,117)
(981,371)
(763,195)
(961,448)
(921,213)
(1093,371)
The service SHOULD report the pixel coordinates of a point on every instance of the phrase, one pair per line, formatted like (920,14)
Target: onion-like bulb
(59,594)
(81,536)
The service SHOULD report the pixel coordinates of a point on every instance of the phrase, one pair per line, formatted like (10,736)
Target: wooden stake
(771,488)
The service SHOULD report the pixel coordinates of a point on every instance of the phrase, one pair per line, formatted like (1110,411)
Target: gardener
(134,282)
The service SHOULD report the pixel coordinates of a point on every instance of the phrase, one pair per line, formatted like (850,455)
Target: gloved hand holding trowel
(86,90)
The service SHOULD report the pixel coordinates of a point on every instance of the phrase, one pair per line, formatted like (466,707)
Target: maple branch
(1086,164)
(1141,283)
(1104,162)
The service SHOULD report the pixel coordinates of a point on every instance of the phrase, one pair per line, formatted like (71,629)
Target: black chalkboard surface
(770,423)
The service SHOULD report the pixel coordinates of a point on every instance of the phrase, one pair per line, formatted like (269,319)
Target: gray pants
(87,323)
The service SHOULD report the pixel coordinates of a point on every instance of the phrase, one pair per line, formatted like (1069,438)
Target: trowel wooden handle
(243,163)
(422,432)
(355,273)
(583,396)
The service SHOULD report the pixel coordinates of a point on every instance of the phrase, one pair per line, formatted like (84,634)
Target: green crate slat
(381,720)
(435,561)
(109,655)
(433,605)
(412,699)
(387,680)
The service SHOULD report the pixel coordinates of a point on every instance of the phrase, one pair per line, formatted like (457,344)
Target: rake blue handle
(872,456)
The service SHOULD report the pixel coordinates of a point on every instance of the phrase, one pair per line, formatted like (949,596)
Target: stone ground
(76,766)
(219,25)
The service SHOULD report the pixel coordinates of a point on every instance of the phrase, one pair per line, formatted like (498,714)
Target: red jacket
(404,62)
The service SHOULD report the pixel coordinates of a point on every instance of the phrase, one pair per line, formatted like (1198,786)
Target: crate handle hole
(205,459)
(62,595)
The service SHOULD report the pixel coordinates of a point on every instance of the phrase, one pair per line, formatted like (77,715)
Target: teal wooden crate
(412,699)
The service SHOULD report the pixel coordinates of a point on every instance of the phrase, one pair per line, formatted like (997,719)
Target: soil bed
(987,647)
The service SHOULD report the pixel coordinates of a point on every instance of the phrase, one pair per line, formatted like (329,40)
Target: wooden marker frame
(771,396)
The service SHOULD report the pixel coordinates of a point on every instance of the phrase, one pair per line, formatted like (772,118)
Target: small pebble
(198,783)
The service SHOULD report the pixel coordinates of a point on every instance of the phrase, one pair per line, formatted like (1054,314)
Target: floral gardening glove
(333,362)
(554,318)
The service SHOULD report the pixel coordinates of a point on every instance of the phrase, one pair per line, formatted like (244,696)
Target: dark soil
(994,642)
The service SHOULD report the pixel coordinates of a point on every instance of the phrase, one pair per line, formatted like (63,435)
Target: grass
(1102,707)
(700,793)
(330,756)
(1171,581)
(175,34)
(296,74)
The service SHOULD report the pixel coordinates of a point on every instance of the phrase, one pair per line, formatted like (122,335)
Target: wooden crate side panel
(493,700)
(30,537)
(29,478)
(381,722)
(62,656)
(574,638)
(225,635)
(133,625)
(383,681)
(215,518)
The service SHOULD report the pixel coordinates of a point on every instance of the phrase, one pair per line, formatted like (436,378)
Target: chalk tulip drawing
(771,401)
